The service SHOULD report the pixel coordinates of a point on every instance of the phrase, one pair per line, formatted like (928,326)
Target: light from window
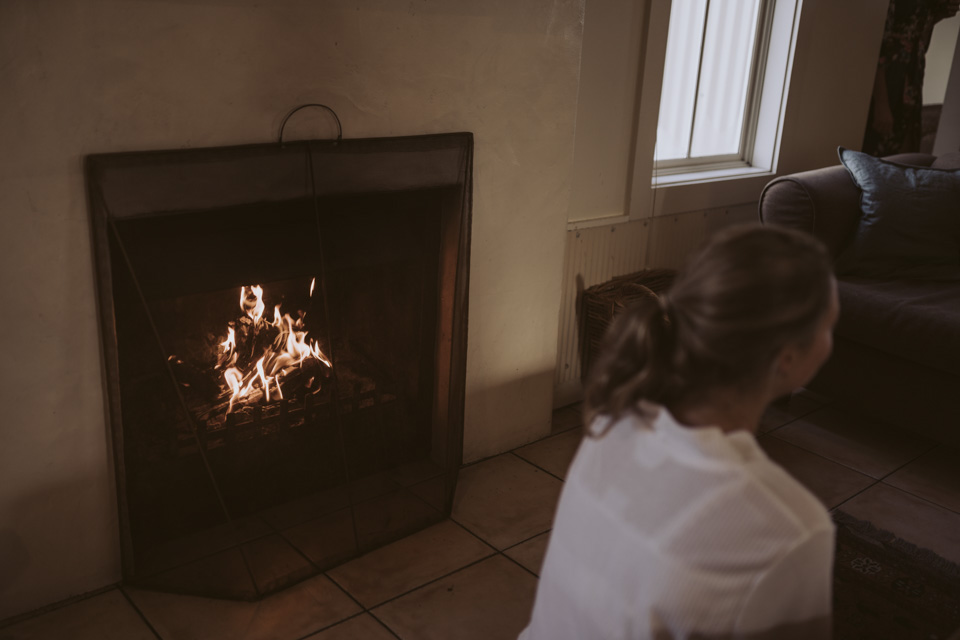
(707,78)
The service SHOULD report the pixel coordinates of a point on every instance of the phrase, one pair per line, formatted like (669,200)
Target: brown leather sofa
(897,344)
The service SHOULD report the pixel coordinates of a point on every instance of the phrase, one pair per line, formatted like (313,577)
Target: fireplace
(284,331)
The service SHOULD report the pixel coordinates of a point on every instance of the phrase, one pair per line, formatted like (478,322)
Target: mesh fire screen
(284,332)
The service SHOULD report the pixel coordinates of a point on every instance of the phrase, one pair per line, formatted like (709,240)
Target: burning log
(261,357)
(258,361)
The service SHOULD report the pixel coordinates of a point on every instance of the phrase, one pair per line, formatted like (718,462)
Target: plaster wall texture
(93,76)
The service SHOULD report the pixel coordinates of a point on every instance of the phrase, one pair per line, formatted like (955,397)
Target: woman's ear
(784,374)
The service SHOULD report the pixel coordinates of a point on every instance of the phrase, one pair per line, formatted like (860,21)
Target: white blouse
(665,531)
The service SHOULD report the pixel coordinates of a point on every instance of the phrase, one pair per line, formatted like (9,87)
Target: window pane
(679,78)
(728,51)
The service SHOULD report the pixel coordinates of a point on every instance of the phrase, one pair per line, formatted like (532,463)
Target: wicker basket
(603,301)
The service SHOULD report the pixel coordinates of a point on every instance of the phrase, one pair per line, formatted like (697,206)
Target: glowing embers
(259,357)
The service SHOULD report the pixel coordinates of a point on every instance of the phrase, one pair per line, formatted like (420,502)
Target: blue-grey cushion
(910,219)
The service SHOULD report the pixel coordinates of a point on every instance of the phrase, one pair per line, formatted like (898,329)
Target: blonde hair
(751,291)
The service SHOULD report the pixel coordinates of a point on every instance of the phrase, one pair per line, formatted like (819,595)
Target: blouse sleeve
(793,597)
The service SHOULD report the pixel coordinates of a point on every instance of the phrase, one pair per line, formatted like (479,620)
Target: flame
(233,378)
(312,282)
(263,377)
(252,303)
(290,349)
(315,349)
(230,342)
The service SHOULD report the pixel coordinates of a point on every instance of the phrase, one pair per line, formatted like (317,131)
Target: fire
(234,379)
(251,303)
(230,342)
(288,352)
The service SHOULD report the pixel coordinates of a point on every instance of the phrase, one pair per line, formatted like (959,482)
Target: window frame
(751,109)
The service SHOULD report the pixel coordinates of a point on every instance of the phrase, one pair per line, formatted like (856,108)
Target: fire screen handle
(304,106)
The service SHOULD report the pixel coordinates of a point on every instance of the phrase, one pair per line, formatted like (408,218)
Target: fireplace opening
(284,335)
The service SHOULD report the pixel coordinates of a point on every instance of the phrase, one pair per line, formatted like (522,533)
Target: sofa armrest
(824,202)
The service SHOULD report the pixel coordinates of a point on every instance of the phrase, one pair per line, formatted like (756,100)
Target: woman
(673,523)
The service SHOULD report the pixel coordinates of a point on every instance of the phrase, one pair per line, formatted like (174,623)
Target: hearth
(284,330)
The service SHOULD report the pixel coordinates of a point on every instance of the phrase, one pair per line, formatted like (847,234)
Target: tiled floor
(474,576)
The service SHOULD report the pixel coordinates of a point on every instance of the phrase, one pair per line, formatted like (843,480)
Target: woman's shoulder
(792,499)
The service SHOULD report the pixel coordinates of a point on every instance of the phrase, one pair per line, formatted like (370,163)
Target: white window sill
(706,190)
(712,175)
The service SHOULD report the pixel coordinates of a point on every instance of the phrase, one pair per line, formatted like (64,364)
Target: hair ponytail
(729,313)
(635,361)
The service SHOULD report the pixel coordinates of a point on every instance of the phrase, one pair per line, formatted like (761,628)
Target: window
(713,73)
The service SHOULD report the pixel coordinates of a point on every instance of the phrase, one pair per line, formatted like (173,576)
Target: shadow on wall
(14,558)
(49,537)
(504,416)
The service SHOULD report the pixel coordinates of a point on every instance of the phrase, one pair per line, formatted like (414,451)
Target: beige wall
(84,76)
(613,31)
(939,59)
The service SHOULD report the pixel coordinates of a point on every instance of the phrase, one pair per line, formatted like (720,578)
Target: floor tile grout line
(866,488)
(555,433)
(310,634)
(846,466)
(384,625)
(494,553)
(467,465)
(502,552)
(143,616)
(821,456)
(911,460)
(559,432)
(317,569)
(434,580)
(207,556)
(782,425)
(344,589)
(303,554)
(551,436)
(919,497)
(468,530)
(273,530)
(535,465)
(497,550)
(54,606)
(516,562)
(796,416)
(347,619)
(517,544)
